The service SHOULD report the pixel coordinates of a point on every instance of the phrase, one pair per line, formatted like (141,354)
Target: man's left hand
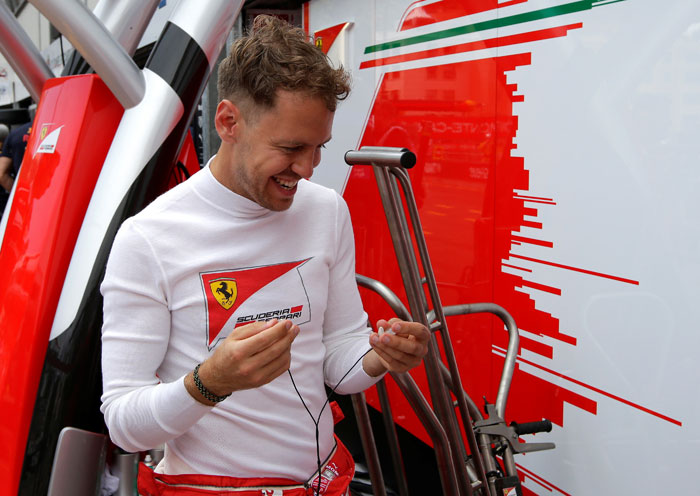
(401,347)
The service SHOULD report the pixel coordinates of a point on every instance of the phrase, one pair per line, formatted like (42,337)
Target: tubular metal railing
(92,39)
(23,56)
(478,473)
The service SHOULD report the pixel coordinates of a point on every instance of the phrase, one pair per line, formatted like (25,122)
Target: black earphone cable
(317,420)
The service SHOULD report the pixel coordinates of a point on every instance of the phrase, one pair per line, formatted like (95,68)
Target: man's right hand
(251,356)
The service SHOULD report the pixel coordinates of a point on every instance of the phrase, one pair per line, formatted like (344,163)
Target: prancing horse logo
(224,291)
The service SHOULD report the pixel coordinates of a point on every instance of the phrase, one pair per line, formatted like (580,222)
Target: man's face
(276,148)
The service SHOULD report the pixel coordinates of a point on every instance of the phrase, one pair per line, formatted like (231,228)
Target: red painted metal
(459,119)
(188,158)
(51,197)
(466,176)
(444,10)
(188,155)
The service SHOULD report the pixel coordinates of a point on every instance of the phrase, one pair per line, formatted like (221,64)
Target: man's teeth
(285,184)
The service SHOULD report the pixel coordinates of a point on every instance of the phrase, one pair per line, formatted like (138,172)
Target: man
(4,131)
(231,299)
(12,148)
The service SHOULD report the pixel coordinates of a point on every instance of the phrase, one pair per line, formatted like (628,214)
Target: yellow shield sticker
(224,291)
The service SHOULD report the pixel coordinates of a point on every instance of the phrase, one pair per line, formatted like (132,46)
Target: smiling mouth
(286,184)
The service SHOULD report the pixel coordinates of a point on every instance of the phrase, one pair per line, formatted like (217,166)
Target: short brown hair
(277,56)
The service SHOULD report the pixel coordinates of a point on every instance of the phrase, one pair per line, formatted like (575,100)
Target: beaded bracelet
(204,391)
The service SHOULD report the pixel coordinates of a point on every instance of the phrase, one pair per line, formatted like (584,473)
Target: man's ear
(227,121)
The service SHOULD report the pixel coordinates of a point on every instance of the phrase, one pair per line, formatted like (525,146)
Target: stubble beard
(249,189)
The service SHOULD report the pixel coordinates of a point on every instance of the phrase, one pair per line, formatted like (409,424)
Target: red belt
(336,475)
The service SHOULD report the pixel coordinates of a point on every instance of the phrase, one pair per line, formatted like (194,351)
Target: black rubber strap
(532,427)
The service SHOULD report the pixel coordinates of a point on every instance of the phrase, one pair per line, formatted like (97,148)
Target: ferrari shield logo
(236,297)
(224,291)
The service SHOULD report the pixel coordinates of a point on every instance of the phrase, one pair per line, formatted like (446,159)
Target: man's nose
(306,162)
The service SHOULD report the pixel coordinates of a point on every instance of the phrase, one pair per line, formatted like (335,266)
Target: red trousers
(336,475)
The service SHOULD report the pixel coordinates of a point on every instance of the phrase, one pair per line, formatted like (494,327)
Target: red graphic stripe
(535,201)
(500,216)
(533,197)
(541,287)
(536,481)
(471,46)
(540,480)
(516,267)
(448,9)
(306,17)
(536,347)
(584,403)
(584,271)
(529,223)
(533,241)
(508,4)
(560,336)
(604,393)
(534,397)
(566,338)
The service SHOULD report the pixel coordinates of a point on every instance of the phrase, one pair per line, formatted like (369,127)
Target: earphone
(318,419)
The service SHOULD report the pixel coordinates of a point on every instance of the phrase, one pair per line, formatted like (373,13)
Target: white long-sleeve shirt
(187,270)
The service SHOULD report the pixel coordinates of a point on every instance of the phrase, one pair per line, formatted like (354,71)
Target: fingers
(416,329)
(401,349)
(278,348)
(392,363)
(411,330)
(402,345)
(261,370)
(274,369)
(252,329)
(258,336)
(252,355)
(387,325)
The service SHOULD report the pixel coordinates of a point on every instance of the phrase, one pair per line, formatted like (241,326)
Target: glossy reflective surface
(61,164)
(556,176)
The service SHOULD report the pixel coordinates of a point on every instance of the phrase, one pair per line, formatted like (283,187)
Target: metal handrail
(427,417)
(432,425)
(513,343)
(392,161)
(369,446)
(95,43)
(387,295)
(410,389)
(485,436)
(23,56)
(126,20)
(403,179)
(394,448)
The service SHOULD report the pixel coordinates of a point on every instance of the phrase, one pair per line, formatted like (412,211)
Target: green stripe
(607,2)
(482,26)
